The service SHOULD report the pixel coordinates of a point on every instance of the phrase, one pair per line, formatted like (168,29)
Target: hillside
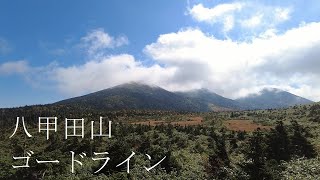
(213,100)
(136,96)
(272,99)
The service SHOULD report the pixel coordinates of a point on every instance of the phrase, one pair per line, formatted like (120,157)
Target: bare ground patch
(191,122)
(244,125)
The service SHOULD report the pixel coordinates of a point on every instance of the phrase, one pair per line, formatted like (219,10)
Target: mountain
(215,101)
(144,97)
(136,96)
(271,98)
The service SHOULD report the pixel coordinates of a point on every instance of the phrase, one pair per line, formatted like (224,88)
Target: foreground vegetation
(289,150)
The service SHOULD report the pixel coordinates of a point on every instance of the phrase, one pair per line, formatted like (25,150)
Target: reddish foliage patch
(192,122)
(244,125)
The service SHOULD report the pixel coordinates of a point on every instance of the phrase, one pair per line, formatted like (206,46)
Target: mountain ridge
(136,95)
(272,98)
(213,99)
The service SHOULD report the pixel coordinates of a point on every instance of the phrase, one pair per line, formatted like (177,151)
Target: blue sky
(35,30)
(51,50)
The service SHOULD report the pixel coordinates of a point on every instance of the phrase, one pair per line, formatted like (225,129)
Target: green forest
(288,149)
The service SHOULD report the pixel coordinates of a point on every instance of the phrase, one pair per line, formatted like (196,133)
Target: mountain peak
(136,95)
(275,90)
(134,84)
(200,91)
(270,98)
(212,99)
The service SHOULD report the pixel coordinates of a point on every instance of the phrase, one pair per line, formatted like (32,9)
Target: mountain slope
(214,100)
(141,96)
(271,98)
(136,96)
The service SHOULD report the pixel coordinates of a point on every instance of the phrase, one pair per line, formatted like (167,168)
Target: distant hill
(145,97)
(215,101)
(136,96)
(272,98)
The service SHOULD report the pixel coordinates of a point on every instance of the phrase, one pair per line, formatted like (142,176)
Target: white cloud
(97,40)
(221,13)
(253,22)
(193,59)
(14,67)
(252,15)
(4,46)
(269,33)
(282,14)
(228,23)
(201,13)
(232,68)
(107,72)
